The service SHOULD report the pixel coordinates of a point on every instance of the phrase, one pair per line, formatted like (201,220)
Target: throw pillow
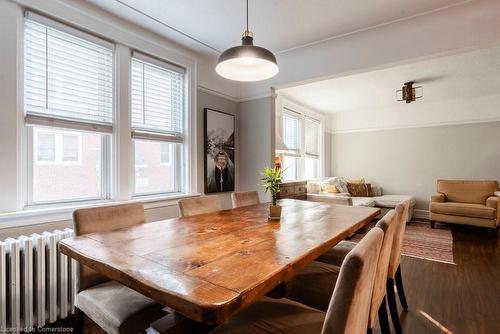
(357,190)
(361,180)
(330,188)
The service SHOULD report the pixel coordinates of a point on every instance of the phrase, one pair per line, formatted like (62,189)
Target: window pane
(290,166)
(312,136)
(64,178)
(311,168)
(291,131)
(157,98)
(165,153)
(70,148)
(152,175)
(66,76)
(45,147)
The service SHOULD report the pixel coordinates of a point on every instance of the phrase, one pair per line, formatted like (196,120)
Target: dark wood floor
(445,298)
(460,298)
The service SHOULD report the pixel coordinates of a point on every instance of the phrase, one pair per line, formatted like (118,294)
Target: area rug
(423,242)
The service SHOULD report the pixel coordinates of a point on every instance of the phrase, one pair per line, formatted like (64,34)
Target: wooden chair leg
(384,318)
(401,290)
(393,307)
(432,223)
(78,323)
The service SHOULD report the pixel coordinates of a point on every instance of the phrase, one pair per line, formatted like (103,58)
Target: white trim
(217,93)
(55,214)
(68,29)
(421,214)
(143,58)
(414,126)
(254,97)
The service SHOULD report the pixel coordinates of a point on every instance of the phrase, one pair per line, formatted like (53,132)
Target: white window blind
(312,136)
(291,131)
(68,79)
(157,100)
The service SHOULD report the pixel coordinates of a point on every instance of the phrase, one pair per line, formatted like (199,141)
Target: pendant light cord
(247,15)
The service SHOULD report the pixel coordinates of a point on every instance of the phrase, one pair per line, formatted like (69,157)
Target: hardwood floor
(460,298)
(445,298)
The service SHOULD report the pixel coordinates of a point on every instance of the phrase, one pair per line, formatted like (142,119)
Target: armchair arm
(494,202)
(439,197)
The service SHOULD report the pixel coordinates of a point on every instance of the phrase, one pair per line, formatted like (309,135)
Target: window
(157,125)
(301,151)
(312,134)
(68,92)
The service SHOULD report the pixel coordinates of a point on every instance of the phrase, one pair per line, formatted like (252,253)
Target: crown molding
(218,93)
(414,126)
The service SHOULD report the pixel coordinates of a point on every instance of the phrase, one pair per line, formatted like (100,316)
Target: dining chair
(394,273)
(247,198)
(116,308)
(199,205)
(348,309)
(311,285)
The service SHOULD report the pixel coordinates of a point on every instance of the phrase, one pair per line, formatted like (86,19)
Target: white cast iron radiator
(37,283)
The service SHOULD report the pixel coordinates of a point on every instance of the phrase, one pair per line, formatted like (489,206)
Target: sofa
(317,192)
(466,202)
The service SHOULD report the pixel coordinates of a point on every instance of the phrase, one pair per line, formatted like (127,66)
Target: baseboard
(420,214)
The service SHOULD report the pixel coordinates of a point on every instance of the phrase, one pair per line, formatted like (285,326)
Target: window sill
(44,215)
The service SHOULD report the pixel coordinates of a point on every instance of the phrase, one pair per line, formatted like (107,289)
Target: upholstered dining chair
(199,205)
(116,308)
(394,273)
(310,286)
(348,309)
(245,198)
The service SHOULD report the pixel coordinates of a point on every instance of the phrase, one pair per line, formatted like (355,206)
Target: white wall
(207,100)
(409,161)
(256,119)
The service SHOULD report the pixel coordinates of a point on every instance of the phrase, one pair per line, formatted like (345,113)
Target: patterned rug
(423,242)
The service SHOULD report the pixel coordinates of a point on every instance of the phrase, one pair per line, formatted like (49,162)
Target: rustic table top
(207,267)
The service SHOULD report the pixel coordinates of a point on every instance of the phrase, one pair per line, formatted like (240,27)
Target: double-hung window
(68,102)
(301,146)
(157,125)
(291,139)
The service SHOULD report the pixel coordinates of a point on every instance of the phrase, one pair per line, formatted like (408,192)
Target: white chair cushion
(363,201)
(118,309)
(390,201)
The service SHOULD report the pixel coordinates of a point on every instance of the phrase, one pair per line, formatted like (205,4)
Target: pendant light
(247,62)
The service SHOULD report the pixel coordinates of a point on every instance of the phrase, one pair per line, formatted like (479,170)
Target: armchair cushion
(463,209)
(467,191)
(438,198)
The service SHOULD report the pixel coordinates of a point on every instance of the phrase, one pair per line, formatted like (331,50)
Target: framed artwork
(219,151)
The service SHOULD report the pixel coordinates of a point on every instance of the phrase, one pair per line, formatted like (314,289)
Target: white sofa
(379,200)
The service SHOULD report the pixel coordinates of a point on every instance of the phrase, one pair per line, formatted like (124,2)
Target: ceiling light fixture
(247,62)
(409,93)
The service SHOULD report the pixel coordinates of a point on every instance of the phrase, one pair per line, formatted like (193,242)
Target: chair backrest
(397,243)
(349,307)
(388,224)
(245,199)
(199,205)
(467,191)
(103,219)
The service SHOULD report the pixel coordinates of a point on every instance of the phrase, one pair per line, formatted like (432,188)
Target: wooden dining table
(208,267)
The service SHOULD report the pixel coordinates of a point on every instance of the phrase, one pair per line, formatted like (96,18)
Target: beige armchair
(466,202)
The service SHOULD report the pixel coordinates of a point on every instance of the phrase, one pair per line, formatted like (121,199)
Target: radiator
(37,282)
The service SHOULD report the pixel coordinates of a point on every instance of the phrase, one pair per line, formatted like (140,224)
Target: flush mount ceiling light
(247,62)
(409,93)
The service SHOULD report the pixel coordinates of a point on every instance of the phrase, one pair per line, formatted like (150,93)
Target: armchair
(466,202)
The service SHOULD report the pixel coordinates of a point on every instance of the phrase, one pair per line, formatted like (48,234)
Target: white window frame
(182,147)
(285,106)
(48,124)
(15,212)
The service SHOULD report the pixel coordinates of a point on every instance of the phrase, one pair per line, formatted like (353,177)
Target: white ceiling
(471,74)
(277,24)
